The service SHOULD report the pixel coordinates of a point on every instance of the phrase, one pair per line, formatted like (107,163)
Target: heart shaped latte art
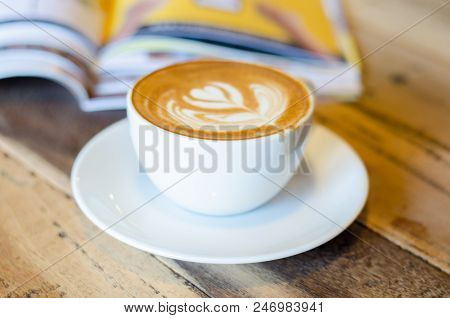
(220,105)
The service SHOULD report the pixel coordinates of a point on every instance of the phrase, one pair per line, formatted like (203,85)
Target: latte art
(218,105)
(221,100)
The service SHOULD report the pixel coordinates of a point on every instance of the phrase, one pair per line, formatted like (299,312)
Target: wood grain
(404,117)
(400,128)
(44,117)
(409,186)
(407,81)
(42,226)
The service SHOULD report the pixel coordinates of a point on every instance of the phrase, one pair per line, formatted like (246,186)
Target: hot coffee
(221,100)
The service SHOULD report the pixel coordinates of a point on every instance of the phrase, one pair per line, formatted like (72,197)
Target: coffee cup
(211,136)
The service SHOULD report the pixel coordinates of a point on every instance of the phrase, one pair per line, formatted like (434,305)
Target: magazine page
(286,27)
(307,39)
(51,39)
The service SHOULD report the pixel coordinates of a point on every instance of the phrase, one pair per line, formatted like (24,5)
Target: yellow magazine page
(108,7)
(299,23)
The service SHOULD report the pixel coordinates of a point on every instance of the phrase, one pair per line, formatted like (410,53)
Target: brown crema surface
(222,100)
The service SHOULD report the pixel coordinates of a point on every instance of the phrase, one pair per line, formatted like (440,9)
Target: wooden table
(400,127)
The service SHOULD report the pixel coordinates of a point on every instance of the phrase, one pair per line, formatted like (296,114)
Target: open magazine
(97,49)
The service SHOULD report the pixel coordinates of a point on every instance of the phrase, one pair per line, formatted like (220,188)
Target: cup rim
(304,119)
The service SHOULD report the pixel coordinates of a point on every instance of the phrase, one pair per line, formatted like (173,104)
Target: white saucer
(107,186)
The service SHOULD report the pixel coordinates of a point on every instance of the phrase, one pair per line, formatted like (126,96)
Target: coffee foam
(221,100)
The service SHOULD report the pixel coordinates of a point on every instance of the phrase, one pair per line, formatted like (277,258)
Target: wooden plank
(407,96)
(409,186)
(344,267)
(407,81)
(45,118)
(41,225)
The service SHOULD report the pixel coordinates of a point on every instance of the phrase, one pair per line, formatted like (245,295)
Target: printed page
(83,16)
(52,39)
(284,27)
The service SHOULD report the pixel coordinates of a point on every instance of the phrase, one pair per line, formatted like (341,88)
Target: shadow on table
(45,117)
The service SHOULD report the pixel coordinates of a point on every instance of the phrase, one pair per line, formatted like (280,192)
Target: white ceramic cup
(217,177)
